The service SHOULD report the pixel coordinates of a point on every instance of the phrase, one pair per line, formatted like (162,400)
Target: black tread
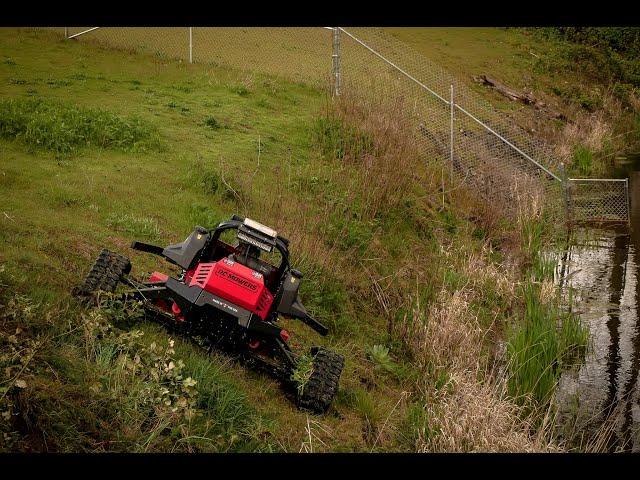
(105,274)
(322,386)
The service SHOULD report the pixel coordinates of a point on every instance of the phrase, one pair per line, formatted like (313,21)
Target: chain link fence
(598,200)
(455,127)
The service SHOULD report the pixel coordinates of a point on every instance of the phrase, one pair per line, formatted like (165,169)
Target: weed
(239,89)
(539,346)
(415,429)
(57,83)
(302,373)
(338,139)
(263,103)
(212,123)
(583,159)
(365,407)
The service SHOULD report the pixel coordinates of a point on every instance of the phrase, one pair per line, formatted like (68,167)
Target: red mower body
(236,283)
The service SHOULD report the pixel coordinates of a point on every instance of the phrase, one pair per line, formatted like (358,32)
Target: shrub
(63,128)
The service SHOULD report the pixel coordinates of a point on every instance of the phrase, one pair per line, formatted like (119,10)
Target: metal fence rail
(453,126)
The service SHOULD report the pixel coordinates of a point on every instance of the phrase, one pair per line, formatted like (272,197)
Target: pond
(599,274)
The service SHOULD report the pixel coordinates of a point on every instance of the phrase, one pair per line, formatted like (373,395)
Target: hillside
(585,80)
(420,292)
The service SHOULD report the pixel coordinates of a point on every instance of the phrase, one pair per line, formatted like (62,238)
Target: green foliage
(219,397)
(209,180)
(416,427)
(239,89)
(449,220)
(379,355)
(546,337)
(351,233)
(302,373)
(63,128)
(583,159)
(203,215)
(540,346)
(605,55)
(618,39)
(365,406)
(327,298)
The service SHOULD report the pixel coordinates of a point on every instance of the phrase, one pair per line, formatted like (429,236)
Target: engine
(237,283)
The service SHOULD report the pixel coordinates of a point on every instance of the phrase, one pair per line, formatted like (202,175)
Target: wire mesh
(599,200)
(480,146)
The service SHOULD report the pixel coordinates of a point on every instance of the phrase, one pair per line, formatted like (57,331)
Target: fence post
(66,32)
(190,44)
(337,80)
(452,105)
(627,201)
(566,194)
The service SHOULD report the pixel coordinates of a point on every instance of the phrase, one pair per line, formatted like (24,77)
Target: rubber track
(322,386)
(105,274)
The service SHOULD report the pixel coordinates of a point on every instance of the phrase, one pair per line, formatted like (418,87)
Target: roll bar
(236,221)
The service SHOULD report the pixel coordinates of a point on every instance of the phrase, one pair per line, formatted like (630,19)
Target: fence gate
(598,200)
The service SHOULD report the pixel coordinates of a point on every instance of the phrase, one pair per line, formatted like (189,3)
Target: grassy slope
(58,212)
(604,119)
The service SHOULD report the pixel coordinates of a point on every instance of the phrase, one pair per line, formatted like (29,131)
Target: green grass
(205,143)
(540,347)
(583,160)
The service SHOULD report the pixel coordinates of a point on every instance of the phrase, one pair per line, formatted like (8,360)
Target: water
(602,395)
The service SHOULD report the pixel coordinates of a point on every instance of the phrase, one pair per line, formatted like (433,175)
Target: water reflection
(601,270)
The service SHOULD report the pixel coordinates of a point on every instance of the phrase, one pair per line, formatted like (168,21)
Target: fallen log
(526,98)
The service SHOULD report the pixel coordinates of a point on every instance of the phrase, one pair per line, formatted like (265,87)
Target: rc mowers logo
(228,275)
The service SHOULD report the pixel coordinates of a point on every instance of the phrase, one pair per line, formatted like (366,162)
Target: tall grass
(546,337)
(539,346)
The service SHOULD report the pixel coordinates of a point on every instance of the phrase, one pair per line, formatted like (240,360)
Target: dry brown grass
(591,130)
(475,417)
(472,412)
